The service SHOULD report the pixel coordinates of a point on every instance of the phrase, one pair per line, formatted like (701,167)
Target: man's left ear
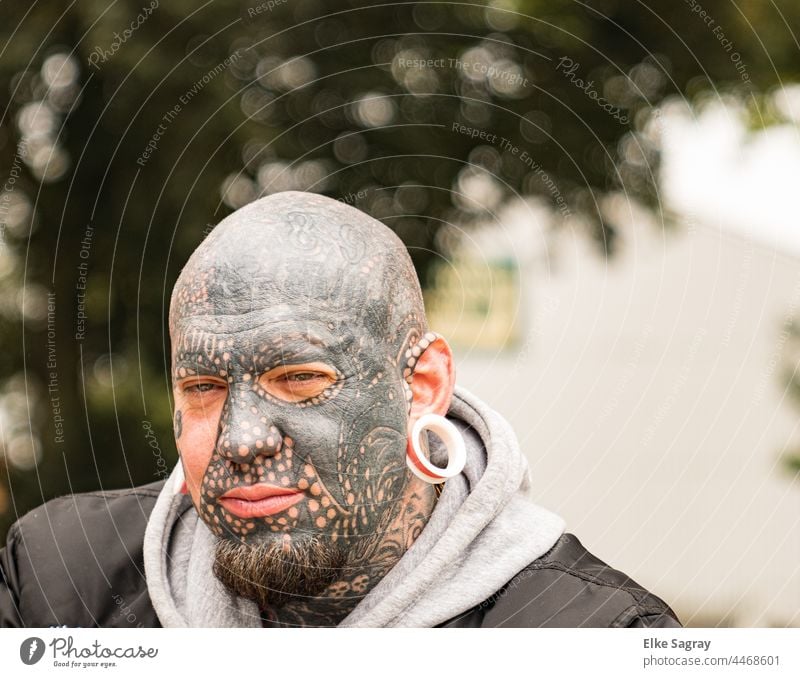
(433,380)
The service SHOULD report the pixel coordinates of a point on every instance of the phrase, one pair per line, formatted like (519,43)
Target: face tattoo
(295,329)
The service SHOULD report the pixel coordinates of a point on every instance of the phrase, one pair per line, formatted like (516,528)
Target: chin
(276,567)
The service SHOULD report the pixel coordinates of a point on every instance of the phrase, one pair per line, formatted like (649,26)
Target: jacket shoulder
(569,587)
(77,560)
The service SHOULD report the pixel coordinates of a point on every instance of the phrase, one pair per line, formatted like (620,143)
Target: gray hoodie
(483,530)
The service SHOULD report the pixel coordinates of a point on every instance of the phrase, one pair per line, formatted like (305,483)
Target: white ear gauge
(453,441)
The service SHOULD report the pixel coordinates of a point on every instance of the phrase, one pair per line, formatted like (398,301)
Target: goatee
(276,572)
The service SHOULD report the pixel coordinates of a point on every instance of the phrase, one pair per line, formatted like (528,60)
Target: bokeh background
(600,198)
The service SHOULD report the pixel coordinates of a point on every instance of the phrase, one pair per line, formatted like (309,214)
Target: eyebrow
(293,348)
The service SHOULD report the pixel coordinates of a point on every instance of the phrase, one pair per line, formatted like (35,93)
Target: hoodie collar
(483,531)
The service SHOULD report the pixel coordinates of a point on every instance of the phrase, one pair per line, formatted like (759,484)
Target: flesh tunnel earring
(453,441)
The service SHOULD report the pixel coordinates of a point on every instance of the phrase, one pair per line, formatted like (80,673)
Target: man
(301,364)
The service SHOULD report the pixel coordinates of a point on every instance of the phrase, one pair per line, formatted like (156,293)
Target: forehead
(248,301)
(238,317)
(270,271)
(263,308)
(258,339)
(246,284)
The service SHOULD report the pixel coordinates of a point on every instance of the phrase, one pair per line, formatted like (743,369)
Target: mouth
(260,500)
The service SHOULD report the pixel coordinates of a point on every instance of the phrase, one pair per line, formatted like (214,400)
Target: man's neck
(331,606)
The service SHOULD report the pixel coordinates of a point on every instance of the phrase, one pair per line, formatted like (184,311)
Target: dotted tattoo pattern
(295,285)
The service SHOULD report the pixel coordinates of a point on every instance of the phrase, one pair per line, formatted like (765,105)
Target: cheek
(196,445)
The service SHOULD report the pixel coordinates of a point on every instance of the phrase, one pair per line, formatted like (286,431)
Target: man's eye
(296,383)
(303,376)
(200,387)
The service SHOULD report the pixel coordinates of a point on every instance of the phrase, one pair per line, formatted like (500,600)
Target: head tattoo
(300,279)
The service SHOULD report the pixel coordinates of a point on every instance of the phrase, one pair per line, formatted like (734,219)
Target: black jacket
(77,561)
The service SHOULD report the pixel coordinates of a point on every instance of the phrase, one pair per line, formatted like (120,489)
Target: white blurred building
(647,395)
(649,392)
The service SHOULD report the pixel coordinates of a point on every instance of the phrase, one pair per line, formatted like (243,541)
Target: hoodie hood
(483,531)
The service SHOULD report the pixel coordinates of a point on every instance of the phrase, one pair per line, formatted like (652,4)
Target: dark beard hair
(272,575)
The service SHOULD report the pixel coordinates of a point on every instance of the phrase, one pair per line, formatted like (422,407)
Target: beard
(273,573)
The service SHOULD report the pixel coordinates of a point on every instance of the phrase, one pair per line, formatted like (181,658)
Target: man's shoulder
(82,513)
(569,587)
(77,559)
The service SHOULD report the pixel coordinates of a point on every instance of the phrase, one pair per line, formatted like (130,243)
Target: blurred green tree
(130,128)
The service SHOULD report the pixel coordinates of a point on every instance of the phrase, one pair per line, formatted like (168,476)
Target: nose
(247,429)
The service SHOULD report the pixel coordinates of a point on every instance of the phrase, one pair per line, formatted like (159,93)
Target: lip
(259,500)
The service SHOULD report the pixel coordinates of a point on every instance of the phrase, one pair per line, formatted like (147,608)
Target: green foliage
(791,380)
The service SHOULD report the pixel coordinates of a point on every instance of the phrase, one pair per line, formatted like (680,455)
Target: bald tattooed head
(295,328)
